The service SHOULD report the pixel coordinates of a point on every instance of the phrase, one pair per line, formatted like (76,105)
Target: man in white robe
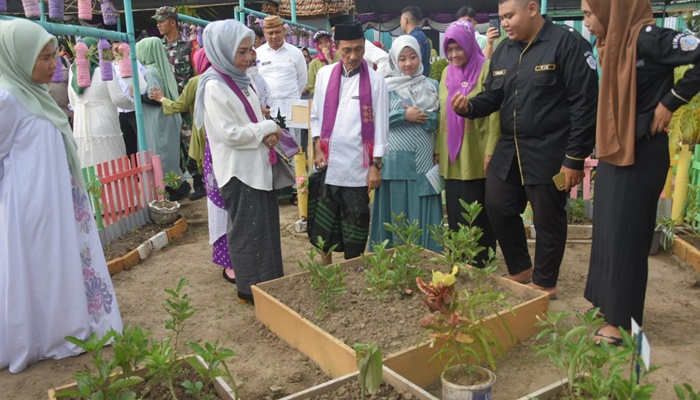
(349,125)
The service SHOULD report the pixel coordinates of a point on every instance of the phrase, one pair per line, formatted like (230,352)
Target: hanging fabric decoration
(82,65)
(58,75)
(56,9)
(3,5)
(109,13)
(199,35)
(125,63)
(85,10)
(31,8)
(105,60)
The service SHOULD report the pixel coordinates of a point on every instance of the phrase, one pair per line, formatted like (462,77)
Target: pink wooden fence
(128,185)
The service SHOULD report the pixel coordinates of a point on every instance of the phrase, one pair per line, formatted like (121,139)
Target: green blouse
(314,66)
(477,143)
(183,104)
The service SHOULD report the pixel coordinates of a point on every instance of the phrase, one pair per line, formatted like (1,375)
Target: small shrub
(327,280)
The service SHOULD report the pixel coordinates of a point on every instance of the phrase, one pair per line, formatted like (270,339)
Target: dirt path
(265,364)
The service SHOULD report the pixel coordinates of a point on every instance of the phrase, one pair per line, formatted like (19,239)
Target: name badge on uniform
(355,97)
(266,63)
(546,67)
(500,72)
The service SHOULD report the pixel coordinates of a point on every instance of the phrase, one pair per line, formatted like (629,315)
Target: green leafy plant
(462,246)
(667,227)
(112,379)
(594,371)
(691,222)
(327,280)
(395,271)
(686,392)
(215,355)
(130,348)
(576,211)
(437,67)
(102,383)
(94,187)
(369,365)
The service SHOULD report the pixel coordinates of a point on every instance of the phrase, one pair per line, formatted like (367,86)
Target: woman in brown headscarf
(636,100)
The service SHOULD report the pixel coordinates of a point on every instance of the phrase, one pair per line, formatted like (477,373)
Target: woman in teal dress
(162,131)
(413,119)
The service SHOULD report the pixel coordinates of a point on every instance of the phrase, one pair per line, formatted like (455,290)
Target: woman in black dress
(636,101)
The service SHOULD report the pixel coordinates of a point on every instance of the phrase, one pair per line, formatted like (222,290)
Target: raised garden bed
(392,324)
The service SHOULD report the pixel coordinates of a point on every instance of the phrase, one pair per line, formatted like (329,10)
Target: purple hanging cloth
(105,60)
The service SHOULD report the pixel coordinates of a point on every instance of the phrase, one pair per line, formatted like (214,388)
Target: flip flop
(581,311)
(612,340)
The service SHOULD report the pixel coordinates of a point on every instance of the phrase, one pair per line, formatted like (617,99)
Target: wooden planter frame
(390,377)
(549,392)
(335,358)
(222,388)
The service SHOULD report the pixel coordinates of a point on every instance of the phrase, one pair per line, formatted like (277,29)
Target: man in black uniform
(544,81)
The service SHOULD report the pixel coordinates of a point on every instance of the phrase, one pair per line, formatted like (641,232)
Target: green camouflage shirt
(179,57)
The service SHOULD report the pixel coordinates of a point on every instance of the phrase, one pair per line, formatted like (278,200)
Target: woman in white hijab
(413,119)
(242,148)
(54,280)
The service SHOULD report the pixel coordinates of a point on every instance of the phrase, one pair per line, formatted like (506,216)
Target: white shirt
(285,73)
(345,158)
(236,143)
(124,83)
(375,55)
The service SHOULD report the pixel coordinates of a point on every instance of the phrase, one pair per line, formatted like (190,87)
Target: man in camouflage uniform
(179,50)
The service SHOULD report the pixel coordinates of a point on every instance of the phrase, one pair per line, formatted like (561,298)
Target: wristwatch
(377,164)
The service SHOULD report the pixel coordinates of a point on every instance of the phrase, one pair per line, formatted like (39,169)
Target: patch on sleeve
(590,60)
(500,72)
(685,42)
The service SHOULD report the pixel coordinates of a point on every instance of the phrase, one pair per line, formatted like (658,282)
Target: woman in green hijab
(54,280)
(162,131)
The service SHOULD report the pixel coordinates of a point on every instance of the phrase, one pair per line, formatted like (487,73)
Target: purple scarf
(248,108)
(330,111)
(460,80)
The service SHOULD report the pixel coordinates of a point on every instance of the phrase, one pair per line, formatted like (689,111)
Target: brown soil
(351,390)
(362,317)
(268,368)
(131,240)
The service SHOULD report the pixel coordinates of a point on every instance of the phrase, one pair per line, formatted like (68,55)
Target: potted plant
(165,212)
(663,235)
(456,321)
(590,369)
(456,324)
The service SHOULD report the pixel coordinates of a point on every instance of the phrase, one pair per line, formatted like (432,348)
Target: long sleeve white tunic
(345,158)
(236,143)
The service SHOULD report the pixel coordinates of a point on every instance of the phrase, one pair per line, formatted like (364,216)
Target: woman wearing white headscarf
(242,148)
(54,280)
(413,119)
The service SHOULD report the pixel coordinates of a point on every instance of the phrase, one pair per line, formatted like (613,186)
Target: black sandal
(611,340)
(228,278)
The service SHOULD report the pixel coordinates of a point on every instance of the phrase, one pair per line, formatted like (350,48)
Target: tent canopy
(483,7)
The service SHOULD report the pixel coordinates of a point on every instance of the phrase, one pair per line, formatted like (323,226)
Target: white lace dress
(96,120)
